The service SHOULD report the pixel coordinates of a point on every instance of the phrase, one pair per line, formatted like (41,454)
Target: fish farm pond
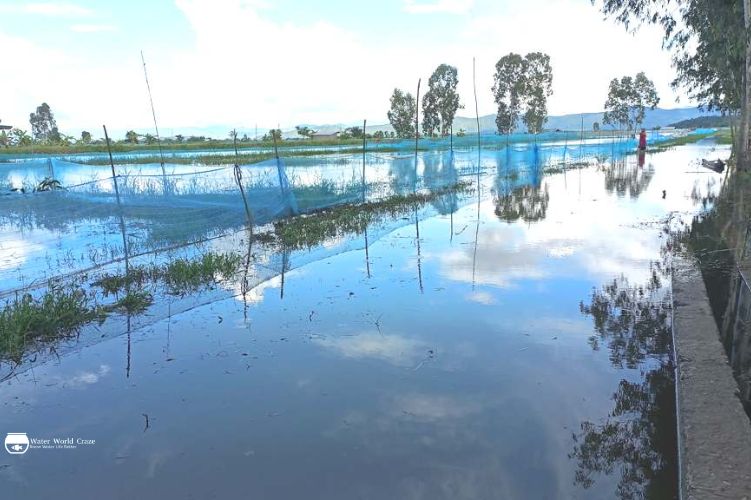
(482,323)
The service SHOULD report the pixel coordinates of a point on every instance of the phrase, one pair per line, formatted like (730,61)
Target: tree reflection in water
(440,173)
(638,439)
(626,177)
(518,191)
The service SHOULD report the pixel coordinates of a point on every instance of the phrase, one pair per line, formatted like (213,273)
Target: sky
(247,63)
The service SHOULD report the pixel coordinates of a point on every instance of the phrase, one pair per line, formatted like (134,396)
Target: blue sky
(238,63)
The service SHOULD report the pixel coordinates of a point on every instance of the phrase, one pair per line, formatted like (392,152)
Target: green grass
(60,312)
(723,136)
(307,231)
(678,141)
(185,275)
(219,145)
(181,275)
(26,321)
(133,303)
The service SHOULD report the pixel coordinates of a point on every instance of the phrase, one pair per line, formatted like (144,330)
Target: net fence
(62,220)
(59,217)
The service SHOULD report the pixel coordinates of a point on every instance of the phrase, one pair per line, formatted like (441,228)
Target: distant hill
(704,122)
(654,118)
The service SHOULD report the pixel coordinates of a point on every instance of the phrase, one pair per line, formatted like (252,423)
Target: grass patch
(181,275)
(310,230)
(185,275)
(677,141)
(723,136)
(133,303)
(25,321)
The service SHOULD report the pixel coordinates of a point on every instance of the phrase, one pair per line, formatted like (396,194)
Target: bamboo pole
(417,125)
(477,118)
(119,205)
(153,114)
(238,179)
(364,144)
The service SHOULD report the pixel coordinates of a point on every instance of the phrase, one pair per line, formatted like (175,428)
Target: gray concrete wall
(714,432)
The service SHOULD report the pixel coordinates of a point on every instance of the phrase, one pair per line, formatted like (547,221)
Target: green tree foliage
(131,136)
(4,139)
(273,134)
(441,101)
(86,137)
(43,124)
(304,131)
(522,84)
(538,86)
(179,138)
(19,137)
(352,132)
(596,127)
(628,99)
(402,113)
(709,45)
(508,91)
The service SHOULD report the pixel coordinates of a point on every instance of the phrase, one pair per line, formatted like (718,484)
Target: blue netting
(83,226)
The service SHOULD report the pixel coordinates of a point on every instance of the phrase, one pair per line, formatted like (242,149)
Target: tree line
(521,88)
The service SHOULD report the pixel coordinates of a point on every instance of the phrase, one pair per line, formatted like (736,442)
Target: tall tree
(43,125)
(711,50)
(86,137)
(538,87)
(508,90)
(273,134)
(628,100)
(304,131)
(131,136)
(402,113)
(441,101)
(19,137)
(522,85)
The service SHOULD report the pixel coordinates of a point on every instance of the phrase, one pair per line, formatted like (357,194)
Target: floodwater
(518,347)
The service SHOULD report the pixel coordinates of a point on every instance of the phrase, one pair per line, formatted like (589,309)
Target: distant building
(5,127)
(324,137)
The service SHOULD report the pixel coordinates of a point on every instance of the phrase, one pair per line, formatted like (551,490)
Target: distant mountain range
(657,117)
(654,118)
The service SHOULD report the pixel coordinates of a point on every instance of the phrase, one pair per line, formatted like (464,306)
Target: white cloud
(92,28)
(53,9)
(244,67)
(394,349)
(443,6)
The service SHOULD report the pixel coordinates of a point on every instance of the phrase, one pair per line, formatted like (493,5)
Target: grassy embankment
(218,145)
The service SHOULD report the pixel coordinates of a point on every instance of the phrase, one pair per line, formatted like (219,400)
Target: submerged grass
(60,312)
(25,321)
(180,276)
(310,230)
(185,275)
(133,302)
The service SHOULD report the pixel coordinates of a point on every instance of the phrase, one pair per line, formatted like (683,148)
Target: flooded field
(510,340)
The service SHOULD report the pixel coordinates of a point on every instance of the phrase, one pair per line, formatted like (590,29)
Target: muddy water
(517,348)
